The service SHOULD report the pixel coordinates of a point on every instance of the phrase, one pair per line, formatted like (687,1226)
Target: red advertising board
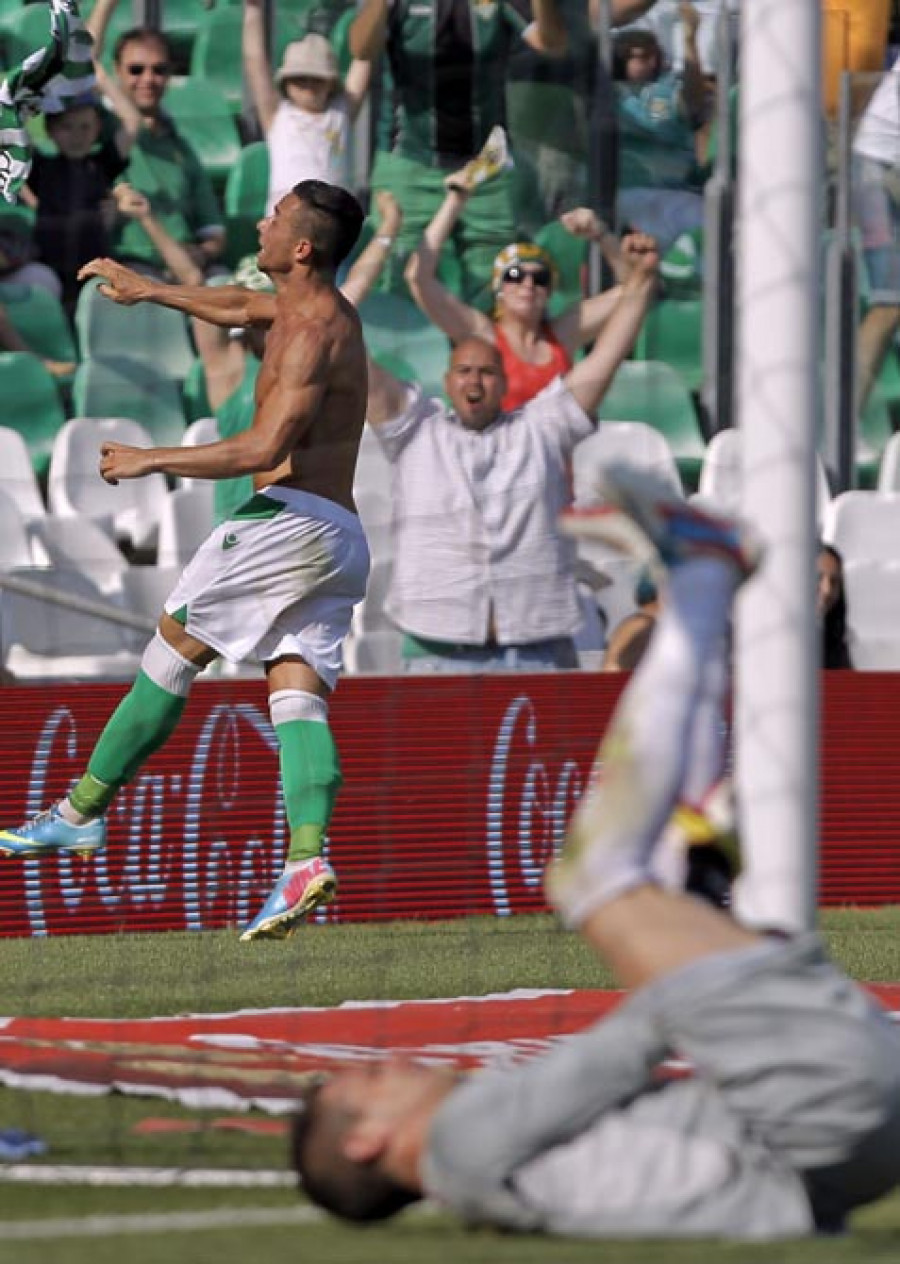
(456,792)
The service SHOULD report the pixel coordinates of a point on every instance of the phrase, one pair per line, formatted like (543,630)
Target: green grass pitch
(130,976)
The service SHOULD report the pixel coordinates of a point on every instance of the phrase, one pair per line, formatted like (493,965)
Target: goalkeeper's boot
(493,158)
(48,834)
(295,895)
(642,515)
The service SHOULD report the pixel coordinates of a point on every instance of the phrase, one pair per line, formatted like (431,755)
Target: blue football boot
(293,897)
(48,833)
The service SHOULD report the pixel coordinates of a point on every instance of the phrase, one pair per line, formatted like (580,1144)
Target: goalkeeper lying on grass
(792,1118)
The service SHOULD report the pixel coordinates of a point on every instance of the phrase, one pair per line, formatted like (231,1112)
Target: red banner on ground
(263,1058)
(456,792)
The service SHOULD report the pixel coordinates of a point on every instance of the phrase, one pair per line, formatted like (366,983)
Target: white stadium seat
(128,511)
(864,526)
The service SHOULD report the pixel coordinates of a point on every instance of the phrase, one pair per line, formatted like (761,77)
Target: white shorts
(281,576)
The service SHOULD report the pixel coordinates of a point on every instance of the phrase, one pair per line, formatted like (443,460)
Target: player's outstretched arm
(289,408)
(230,305)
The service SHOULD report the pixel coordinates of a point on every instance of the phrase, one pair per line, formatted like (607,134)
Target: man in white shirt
(482,579)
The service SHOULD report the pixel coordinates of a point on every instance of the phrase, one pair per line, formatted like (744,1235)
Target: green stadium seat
(673,332)
(340,39)
(398,334)
(182,21)
(121,19)
(23,29)
(570,256)
(879,420)
(652,392)
(40,319)
(216,56)
(31,405)
(155,335)
(205,119)
(117,386)
(246,190)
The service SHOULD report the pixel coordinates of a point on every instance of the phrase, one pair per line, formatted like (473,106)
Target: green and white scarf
(49,77)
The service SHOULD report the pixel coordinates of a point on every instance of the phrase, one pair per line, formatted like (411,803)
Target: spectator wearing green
(231,358)
(549,103)
(448,67)
(658,111)
(162,164)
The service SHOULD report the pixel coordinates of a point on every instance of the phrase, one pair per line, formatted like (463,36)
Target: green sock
(140,724)
(310,778)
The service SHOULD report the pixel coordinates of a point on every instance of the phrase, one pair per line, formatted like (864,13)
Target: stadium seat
(721,476)
(201,430)
(673,332)
(121,19)
(864,526)
(204,116)
(873,614)
(378,653)
(146,588)
(155,335)
(80,544)
(216,54)
(396,331)
(648,391)
(40,319)
(17,477)
(632,441)
(570,255)
(23,29)
(43,639)
(369,615)
(121,387)
(889,466)
(185,520)
(183,20)
(15,545)
(246,190)
(878,421)
(31,399)
(129,511)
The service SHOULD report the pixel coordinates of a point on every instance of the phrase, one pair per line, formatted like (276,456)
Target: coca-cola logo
(527,809)
(162,860)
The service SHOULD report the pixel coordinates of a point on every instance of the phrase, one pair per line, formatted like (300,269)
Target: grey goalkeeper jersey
(798,1085)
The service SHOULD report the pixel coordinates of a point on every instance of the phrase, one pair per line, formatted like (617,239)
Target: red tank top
(524,380)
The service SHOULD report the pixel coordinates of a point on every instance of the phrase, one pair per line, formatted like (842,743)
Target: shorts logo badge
(230,540)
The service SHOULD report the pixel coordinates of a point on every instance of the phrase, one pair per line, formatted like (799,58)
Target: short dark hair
(626,41)
(353,1191)
(140,35)
(331,217)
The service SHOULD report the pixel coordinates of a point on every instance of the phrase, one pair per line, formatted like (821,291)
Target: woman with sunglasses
(535,348)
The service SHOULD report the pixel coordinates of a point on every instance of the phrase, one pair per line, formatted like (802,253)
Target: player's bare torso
(315,338)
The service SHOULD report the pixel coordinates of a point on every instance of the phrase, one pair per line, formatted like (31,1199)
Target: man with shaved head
(482,580)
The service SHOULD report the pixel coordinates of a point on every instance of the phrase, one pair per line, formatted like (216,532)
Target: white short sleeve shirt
(474,520)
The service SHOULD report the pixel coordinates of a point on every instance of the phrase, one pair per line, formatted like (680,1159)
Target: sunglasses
(159,68)
(517,275)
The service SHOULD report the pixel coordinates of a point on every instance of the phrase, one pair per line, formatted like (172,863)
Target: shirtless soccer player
(277,582)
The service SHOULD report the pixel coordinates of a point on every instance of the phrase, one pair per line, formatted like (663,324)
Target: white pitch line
(161,1222)
(217,1178)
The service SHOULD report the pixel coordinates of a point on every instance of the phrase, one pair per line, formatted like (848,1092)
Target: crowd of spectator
(479,126)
